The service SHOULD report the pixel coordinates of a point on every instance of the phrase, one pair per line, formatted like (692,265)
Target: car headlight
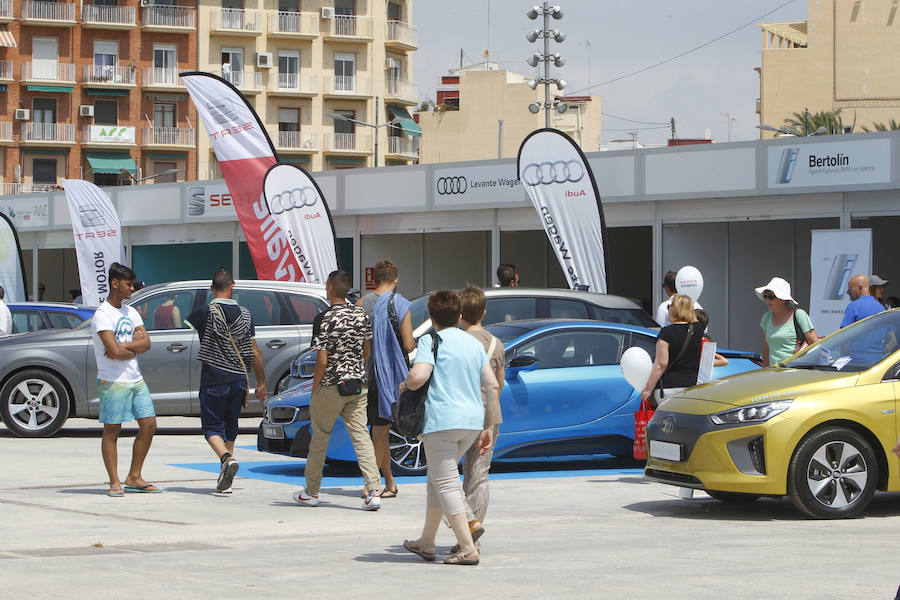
(756,413)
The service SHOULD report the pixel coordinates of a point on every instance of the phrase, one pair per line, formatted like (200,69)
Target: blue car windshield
(855,348)
(510,331)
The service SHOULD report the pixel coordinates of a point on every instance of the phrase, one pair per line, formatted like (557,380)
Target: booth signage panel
(492,184)
(836,255)
(27,213)
(210,201)
(701,171)
(149,204)
(830,163)
(111,134)
(614,175)
(389,189)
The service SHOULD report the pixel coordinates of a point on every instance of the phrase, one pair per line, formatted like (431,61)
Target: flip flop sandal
(460,559)
(389,493)
(410,546)
(143,489)
(117,493)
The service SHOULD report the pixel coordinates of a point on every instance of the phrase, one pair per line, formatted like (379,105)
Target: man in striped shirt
(228,352)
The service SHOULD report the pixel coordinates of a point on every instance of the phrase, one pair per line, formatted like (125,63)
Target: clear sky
(617,37)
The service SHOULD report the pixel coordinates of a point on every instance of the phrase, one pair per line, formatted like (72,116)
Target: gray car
(49,376)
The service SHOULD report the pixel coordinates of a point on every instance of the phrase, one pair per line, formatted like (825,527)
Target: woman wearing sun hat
(787,327)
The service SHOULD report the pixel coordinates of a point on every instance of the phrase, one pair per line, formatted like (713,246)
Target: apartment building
(321,74)
(90,91)
(465,123)
(842,57)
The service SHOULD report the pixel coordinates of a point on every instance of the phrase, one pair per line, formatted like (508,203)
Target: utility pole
(673,128)
(500,138)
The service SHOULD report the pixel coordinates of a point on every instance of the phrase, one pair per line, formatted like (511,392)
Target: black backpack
(409,410)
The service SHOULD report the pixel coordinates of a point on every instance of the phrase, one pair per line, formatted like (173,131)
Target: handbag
(409,409)
(349,387)
(221,315)
(641,418)
(800,342)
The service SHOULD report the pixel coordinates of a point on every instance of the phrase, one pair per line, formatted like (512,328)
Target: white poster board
(836,255)
(707,362)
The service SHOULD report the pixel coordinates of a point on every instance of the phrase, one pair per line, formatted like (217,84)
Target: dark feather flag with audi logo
(299,208)
(562,188)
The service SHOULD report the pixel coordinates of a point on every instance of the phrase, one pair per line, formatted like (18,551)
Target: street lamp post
(546,11)
(376,125)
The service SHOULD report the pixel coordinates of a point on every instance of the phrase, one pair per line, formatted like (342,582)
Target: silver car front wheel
(407,455)
(34,403)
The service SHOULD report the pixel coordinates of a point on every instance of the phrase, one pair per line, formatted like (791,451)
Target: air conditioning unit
(327,12)
(23,114)
(263,60)
(145,3)
(86,110)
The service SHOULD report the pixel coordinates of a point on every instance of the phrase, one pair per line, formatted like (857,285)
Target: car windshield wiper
(813,367)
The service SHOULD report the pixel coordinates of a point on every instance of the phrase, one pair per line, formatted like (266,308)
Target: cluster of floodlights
(546,57)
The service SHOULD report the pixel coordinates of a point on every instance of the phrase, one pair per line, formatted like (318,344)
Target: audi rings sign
(452,185)
(476,184)
(297,205)
(562,188)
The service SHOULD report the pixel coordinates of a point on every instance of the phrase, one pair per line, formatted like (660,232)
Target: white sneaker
(301,497)
(372,501)
(226,491)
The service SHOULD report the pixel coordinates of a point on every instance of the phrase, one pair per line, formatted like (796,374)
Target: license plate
(665,450)
(273,432)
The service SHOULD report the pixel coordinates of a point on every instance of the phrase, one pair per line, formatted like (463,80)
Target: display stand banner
(12,270)
(245,153)
(836,255)
(562,188)
(98,237)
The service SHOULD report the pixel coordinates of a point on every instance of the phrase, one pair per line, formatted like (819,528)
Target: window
(568,349)
(44,170)
(164,65)
(106,179)
(344,72)
(232,15)
(27,320)
(60,320)
(105,2)
(233,66)
(568,309)
(162,167)
(288,119)
(288,17)
(263,306)
(163,115)
(44,110)
(646,342)
(166,310)
(291,6)
(106,112)
(345,127)
(289,70)
(394,12)
(509,309)
(106,56)
(305,308)
(45,56)
(345,7)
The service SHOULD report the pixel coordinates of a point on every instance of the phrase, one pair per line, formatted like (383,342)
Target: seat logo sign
(452,185)
(290,199)
(548,172)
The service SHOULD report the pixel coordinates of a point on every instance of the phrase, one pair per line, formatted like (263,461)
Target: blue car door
(577,380)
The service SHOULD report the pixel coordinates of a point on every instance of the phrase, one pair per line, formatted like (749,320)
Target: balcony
(12,189)
(48,134)
(6,11)
(162,80)
(108,136)
(248,82)
(47,71)
(235,21)
(400,92)
(347,86)
(348,143)
(293,85)
(169,19)
(168,137)
(6,132)
(297,141)
(97,16)
(349,28)
(294,25)
(6,70)
(401,36)
(402,147)
(108,76)
(53,14)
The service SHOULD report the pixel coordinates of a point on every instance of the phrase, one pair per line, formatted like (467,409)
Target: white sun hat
(779,287)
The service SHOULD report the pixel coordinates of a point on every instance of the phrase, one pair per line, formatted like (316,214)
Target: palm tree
(891,126)
(823,122)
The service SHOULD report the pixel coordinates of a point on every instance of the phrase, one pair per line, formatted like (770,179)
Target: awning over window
(166,155)
(294,159)
(406,122)
(93,92)
(347,161)
(58,89)
(110,162)
(6,38)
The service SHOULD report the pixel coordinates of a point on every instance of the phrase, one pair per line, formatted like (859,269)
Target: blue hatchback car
(564,396)
(36,316)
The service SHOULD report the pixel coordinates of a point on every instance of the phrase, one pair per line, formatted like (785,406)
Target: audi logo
(452,185)
(560,171)
(291,199)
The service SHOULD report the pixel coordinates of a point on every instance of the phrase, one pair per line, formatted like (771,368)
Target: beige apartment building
(842,57)
(299,61)
(471,102)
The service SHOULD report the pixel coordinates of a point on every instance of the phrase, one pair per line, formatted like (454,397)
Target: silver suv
(49,376)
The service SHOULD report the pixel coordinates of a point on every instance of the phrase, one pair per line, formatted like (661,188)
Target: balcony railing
(6,131)
(48,132)
(114,15)
(6,9)
(11,189)
(350,26)
(408,146)
(184,17)
(235,19)
(293,82)
(304,23)
(298,140)
(6,69)
(48,70)
(169,136)
(109,74)
(246,81)
(400,89)
(347,142)
(162,77)
(348,84)
(401,33)
(48,11)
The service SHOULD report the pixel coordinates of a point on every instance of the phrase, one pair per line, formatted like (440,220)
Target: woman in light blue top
(778,323)
(454,420)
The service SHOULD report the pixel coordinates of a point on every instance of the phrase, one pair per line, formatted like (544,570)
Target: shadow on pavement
(638,480)
(96,432)
(395,554)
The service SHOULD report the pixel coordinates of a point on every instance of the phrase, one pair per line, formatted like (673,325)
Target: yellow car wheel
(833,474)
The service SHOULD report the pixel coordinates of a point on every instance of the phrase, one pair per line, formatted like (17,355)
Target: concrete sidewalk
(595,535)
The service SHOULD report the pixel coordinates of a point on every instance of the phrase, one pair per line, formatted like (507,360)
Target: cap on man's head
(876,280)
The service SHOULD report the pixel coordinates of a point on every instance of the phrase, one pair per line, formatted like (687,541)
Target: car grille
(288,414)
(673,478)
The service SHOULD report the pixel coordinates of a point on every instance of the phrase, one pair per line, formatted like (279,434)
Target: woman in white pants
(454,420)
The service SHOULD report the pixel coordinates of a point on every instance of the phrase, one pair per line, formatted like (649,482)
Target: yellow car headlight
(756,413)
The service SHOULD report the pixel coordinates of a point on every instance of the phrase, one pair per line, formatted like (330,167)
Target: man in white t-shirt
(662,312)
(5,315)
(119,335)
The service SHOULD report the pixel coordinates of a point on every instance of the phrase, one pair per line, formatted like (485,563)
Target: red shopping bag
(642,416)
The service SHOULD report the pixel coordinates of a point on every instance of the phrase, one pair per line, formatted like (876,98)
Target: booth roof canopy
(110,162)
(409,126)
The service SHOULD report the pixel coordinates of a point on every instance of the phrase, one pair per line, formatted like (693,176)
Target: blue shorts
(123,402)
(220,407)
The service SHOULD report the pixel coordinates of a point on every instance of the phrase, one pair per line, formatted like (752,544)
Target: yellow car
(818,427)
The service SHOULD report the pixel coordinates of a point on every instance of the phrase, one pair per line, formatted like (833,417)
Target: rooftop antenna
(729,119)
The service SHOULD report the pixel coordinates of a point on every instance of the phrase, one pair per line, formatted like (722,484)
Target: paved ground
(592,530)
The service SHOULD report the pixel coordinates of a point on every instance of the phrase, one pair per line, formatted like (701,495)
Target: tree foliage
(828,122)
(891,126)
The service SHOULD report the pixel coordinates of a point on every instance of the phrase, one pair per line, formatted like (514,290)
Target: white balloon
(689,282)
(636,366)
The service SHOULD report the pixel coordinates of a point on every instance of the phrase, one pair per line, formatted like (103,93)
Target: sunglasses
(769,296)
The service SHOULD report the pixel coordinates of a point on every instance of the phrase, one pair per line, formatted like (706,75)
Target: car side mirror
(521,363)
